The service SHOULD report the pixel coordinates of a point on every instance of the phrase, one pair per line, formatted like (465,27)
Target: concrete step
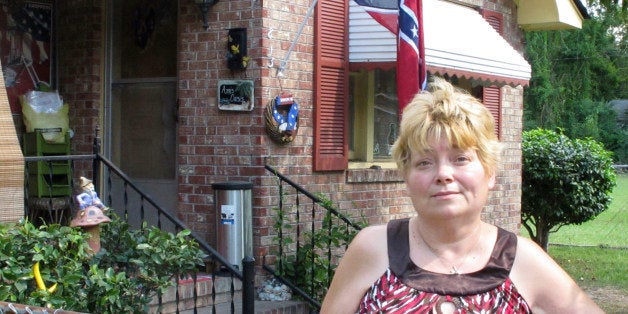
(222,286)
(261,307)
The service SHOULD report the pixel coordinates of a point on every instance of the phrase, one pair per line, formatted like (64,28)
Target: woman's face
(446,182)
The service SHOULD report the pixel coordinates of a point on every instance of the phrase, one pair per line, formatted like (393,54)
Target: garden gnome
(89,197)
(90,214)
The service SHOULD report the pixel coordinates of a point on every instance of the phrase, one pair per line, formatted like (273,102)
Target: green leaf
(20,286)
(143,246)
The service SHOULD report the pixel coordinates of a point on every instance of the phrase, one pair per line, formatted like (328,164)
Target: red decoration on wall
(25,32)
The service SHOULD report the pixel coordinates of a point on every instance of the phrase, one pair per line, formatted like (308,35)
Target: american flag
(405,19)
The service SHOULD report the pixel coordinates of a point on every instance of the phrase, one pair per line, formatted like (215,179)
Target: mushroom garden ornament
(91,214)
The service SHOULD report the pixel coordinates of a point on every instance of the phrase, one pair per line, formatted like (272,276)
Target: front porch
(230,289)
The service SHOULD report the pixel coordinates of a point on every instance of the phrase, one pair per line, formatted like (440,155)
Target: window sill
(369,172)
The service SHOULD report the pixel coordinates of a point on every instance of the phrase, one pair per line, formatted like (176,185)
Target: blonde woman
(445,259)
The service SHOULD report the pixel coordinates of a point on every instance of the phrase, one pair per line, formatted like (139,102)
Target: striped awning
(458,42)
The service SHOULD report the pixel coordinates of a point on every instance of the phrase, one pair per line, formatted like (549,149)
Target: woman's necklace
(453,269)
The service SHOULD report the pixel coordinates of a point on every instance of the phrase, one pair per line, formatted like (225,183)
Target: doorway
(140,130)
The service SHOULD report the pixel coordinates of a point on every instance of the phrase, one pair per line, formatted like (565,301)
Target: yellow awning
(534,15)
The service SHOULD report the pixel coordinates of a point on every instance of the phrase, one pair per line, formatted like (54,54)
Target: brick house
(147,75)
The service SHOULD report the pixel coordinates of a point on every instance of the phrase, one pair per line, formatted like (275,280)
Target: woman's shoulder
(363,263)
(373,229)
(371,239)
(369,245)
(530,255)
(528,249)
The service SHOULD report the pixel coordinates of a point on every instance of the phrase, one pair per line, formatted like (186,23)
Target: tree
(575,73)
(565,181)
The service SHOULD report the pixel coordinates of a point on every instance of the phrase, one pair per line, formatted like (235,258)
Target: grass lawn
(595,253)
(594,266)
(610,228)
(601,272)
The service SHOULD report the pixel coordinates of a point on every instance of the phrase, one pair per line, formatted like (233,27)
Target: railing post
(95,161)
(248,285)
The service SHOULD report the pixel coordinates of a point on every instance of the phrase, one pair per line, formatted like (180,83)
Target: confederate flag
(405,19)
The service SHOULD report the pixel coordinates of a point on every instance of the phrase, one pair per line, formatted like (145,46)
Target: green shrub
(565,181)
(131,268)
(63,256)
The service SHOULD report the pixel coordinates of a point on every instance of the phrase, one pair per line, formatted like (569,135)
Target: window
(355,113)
(374,114)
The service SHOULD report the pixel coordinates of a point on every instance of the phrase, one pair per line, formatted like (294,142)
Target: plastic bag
(45,111)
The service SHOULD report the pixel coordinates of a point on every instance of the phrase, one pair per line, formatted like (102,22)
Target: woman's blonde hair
(445,111)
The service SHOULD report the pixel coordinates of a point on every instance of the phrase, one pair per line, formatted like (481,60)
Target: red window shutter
(331,86)
(495,19)
(491,97)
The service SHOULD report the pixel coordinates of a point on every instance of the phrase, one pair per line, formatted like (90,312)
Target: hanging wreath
(282,117)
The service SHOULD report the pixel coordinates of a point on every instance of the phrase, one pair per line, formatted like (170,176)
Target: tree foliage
(575,73)
(565,181)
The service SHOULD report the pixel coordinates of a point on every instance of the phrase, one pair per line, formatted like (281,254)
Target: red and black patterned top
(406,288)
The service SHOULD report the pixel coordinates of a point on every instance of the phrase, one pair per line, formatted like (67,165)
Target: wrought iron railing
(312,234)
(50,202)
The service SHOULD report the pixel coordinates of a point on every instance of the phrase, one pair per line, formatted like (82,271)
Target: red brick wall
(504,207)
(218,146)
(511,31)
(210,152)
(214,145)
(80,58)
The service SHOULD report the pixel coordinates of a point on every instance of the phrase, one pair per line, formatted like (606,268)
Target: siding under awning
(458,41)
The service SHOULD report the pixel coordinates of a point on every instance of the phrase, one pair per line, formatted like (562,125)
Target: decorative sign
(235,95)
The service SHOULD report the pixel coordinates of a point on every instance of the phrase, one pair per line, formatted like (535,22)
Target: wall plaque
(235,95)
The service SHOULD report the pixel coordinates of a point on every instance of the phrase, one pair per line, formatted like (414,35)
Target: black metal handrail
(310,234)
(179,225)
(100,163)
(313,197)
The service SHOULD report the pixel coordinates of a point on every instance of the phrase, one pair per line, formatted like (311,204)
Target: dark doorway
(142,115)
